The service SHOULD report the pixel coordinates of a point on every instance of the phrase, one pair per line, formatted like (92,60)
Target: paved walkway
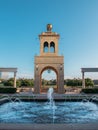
(92,126)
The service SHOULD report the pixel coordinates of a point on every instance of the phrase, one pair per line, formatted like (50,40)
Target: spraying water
(51,103)
(50,97)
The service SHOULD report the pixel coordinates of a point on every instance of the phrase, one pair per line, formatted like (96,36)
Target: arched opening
(46,47)
(48,79)
(52,47)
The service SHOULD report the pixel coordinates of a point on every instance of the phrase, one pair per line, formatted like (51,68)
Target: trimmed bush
(7,90)
(90,90)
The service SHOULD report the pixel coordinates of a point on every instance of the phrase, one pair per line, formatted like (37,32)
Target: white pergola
(83,70)
(14,70)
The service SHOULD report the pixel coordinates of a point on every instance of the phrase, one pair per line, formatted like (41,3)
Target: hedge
(7,90)
(90,90)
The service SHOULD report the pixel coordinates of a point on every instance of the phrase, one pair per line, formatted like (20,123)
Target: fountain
(51,103)
(50,98)
(82,110)
(51,111)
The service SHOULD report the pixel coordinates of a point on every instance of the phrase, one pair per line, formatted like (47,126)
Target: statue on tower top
(49,27)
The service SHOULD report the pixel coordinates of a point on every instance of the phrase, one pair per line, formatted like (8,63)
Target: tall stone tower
(49,59)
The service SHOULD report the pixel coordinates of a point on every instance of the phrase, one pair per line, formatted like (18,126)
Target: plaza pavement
(90,126)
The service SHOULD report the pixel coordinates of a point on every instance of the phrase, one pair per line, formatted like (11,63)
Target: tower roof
(49,31)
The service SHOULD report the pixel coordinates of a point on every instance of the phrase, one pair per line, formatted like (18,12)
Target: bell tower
(49,42)
(49,59)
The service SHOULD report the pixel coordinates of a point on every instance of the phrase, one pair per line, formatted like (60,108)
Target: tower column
(61,80)
(15,79)
(49,47)
(37,80)
(83,80)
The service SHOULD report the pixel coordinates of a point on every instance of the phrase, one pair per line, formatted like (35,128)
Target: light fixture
(36,67)
(61,66)
(49,70)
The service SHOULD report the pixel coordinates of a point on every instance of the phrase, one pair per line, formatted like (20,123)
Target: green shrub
(90,90)
(7,90)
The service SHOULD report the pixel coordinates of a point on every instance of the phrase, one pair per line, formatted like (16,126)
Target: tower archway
(49,78)
(46,47)
(52,47)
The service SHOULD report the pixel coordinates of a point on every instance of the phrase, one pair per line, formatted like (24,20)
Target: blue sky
(21,21)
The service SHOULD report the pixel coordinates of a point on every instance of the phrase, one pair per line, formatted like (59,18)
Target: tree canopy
(30,82)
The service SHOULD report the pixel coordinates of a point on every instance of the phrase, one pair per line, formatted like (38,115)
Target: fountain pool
(49,112)
(40,112)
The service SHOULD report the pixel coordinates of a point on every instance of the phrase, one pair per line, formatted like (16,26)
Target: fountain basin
(47,126)
(40,113)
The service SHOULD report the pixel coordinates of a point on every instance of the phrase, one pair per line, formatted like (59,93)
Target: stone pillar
(37,80)
(37,84)
(49,47)
(14,79)
(83,80)
(61,80)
